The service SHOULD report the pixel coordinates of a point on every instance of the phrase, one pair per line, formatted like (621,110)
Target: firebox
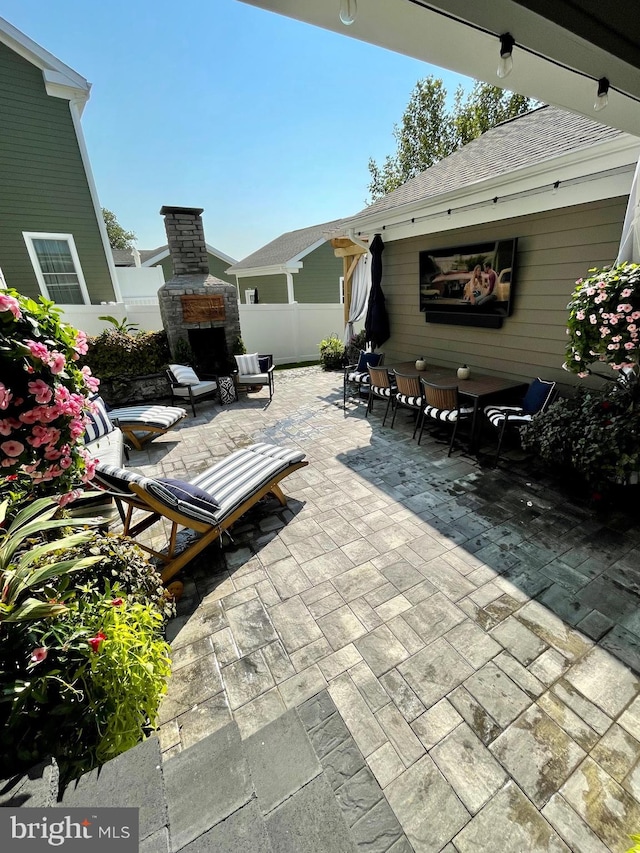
(210,350)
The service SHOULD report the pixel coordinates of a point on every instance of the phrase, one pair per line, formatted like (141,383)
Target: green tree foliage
(118,237)
(429,131)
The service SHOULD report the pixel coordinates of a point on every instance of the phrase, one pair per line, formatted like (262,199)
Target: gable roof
(60,80)
(149,257)
(530,139)
(288,248)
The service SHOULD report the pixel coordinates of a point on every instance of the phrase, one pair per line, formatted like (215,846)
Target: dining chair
(538,397)
(442,404)
(380,386)
(356,376)
(408,396)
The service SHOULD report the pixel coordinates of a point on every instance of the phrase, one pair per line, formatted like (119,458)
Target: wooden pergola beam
(350,253)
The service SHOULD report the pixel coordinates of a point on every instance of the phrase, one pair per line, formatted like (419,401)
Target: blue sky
(266,123)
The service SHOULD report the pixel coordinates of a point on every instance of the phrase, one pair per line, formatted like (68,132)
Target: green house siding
(319,278)
(43,185)
(554,249)
(271,288)
(217,268)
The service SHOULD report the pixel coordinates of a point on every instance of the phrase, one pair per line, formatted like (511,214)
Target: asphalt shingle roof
(537,136)
(286,246)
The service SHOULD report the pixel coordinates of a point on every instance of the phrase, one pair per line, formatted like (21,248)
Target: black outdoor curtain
(377,323)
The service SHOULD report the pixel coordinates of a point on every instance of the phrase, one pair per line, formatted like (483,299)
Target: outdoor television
(468,285)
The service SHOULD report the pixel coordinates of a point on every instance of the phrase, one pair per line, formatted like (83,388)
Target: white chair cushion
(248,364)
(108,449)
(184,374)
(253,379)
(198,389)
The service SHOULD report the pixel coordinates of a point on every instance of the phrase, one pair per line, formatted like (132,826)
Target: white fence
(291,332)
(140,282)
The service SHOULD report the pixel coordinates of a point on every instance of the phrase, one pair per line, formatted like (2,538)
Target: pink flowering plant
(43,401)
(604,321)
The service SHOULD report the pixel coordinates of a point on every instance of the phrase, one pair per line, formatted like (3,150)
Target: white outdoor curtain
(360,286)
(630,241)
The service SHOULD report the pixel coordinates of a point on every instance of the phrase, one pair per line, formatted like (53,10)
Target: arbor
(429,131)
(118,237)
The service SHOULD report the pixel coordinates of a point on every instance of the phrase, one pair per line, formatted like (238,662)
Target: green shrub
(331,353)
(113,354)
(84,686)
(596,433)
(183,354)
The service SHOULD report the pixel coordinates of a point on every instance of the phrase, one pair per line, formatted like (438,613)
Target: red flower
(596,496)
(12,477)
(39,654)
(605,404)
(117,602)
(96,641)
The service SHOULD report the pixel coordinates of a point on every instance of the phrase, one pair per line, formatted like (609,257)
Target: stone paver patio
(464,642)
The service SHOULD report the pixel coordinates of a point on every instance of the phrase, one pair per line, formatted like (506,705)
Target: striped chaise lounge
(142,423)
(209,503)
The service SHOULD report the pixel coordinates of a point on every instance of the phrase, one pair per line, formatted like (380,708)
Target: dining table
(482,389)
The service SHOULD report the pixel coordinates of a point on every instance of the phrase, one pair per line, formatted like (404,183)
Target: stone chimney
(185,234)
(197,309)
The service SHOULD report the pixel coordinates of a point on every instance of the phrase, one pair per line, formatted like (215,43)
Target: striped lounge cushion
(226,485)
(163,417)
(184,374)
(116,479)
(97,420)
(449,415)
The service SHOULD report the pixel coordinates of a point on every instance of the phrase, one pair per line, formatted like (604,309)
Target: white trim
(211,250)
(93,192)
(276,269)
(30,236)
(60,80)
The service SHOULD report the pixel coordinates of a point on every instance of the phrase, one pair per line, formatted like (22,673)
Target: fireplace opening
(210,350)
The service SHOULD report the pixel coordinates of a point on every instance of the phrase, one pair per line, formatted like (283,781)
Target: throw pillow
(178,493)
(248,364)
(537,396)
(368,359)
(264,362)
(184,374)
(97,421)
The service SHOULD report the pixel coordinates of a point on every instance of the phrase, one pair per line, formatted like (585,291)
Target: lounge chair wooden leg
(278,493)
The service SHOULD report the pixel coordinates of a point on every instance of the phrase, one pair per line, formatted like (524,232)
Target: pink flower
(5,396)
(629,345)
(580,315)
(626,293)
(593,319)
(32,416)
(81,342)
(66,462)
(39,654)
(63,500)
(90,381)
(7,426)
(40,391)
(56,362)
(12,448)
(38,350)
(9,303)
(583,373)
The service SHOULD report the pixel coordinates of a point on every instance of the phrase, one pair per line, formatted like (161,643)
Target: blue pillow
(97,421)
(368,359)
(537,396)
(264,362)
(182,491)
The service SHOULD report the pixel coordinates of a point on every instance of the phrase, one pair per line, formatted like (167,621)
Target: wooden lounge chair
(142,423)
(209,503)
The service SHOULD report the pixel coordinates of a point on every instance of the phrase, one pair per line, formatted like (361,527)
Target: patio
(459,645)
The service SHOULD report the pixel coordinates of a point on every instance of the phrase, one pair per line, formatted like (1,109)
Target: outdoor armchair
(442,404)
(186,384)
(408,395)
(356,376)
(253,370)
(382,386)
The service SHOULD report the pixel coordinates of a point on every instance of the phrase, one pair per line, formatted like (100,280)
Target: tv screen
(468,285)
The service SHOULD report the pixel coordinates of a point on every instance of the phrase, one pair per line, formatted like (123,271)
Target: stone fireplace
(197,308)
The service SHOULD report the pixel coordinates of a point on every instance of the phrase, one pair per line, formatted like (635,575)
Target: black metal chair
(380,386)
(442,404)
(408,396)
(538,397)
(356,376)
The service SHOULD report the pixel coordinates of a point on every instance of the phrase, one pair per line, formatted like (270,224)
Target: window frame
(29,237)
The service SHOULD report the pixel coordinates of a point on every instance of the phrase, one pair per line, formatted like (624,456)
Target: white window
(57,267)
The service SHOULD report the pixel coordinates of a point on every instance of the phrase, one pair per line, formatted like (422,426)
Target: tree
(118,237)
(429,132)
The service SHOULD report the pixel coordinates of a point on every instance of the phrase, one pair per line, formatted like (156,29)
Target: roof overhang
(592,174)
(274,269)
(561,51)
(60,80)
